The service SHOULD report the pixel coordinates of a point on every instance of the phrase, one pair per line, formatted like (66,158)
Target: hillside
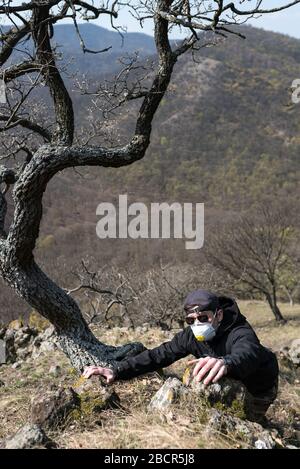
(66,43)
(189,422)
(227,130)
(226,134)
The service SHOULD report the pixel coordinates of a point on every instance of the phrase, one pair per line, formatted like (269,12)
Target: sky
(286,22)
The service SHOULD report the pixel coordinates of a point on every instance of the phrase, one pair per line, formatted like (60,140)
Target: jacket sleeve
(152,360)
(245,355)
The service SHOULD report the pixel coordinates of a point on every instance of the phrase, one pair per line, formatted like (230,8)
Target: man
(223,343)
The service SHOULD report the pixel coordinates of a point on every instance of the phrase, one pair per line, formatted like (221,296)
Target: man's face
(192,311)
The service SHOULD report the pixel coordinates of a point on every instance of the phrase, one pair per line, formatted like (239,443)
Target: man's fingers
(91,367)
(220,374)
(90,370)
(197,360)
(89,373)
(198,367)
(201,370)
(201,362)
(191,362)
(202,367)
(213,372)
(85,372)
(213,367)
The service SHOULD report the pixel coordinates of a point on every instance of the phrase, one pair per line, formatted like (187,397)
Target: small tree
(255,252)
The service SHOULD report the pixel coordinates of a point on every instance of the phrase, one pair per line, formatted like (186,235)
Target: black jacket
(248,360)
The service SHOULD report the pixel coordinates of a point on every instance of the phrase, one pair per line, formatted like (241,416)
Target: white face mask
(203,331)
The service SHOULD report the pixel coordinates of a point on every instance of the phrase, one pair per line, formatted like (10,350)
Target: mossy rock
(93,396)
(59,407)
(37,321)
(92,402)
(73,372)
(16,324)
(236,408)
(171,391)
(225,394)
(50,409)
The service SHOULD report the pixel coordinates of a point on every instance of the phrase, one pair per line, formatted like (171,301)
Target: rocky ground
(44,403)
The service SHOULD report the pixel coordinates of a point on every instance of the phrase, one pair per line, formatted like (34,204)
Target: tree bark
(272,300)
(72,332)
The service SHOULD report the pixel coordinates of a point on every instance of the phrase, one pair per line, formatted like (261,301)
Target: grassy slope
(132,426)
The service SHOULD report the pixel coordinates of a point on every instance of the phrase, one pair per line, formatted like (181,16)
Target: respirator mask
(202,329)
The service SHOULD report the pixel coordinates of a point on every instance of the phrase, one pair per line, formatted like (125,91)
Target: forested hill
(228,130)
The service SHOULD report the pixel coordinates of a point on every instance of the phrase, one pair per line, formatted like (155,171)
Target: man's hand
(215,367)
(98,370)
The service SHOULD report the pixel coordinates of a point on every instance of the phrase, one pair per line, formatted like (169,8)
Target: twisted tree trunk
(17,265)
(19,269)
(73,334)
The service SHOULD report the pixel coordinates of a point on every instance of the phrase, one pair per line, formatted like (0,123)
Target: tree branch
(96,11)
(10,40)
(8,177)
(15,71)
(63,105)
(45,163)
(28,6)
(164,71)
(232,7)
(27,124)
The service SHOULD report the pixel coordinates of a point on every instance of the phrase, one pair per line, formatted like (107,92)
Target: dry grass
(134,430)
(270,333)
(132,426)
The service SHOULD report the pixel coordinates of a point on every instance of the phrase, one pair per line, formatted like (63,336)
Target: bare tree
(255,252)
(52,149)
(129,296)
(104,289)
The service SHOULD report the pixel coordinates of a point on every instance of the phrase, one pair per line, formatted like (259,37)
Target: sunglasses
(189,320)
